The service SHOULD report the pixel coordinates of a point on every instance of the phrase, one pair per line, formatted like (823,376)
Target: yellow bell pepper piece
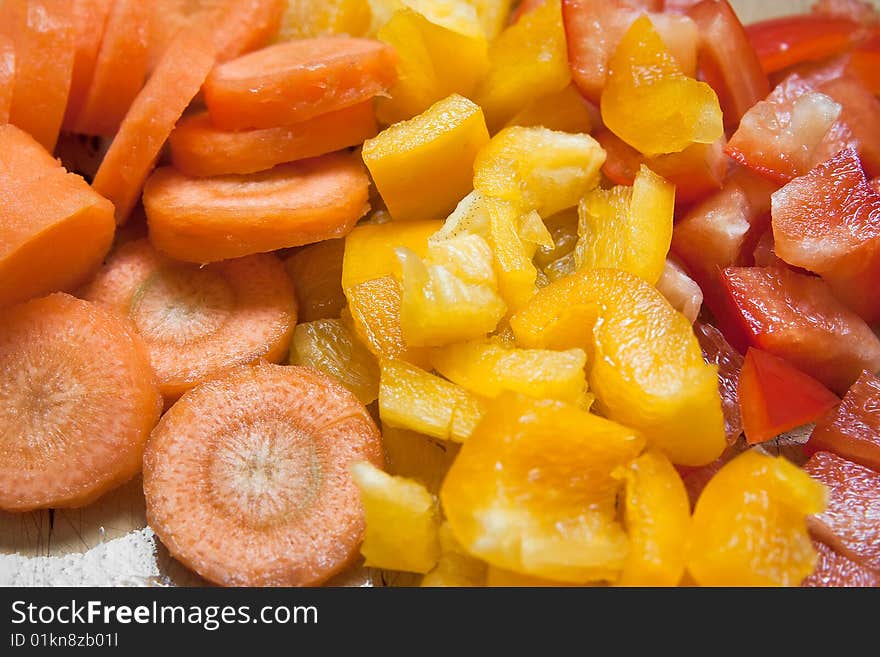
(306,18)
(565,111)
(645,368)
(556,260)
(316,271)
(493,15)
(526,61)
(423,167)
(749,525)
(369,249)
(488,368)
(441,49)
(657,516)
(628,228)
(415,456)
(411,398)
(455,567)
(650,103)
(532,492)
(538,169)
(450,296)
(402,521)
(500,578)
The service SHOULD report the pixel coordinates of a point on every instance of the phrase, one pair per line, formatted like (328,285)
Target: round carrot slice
(77,402)
(199,322)
(151,118)
(89,19)
(208,219)
(247,477)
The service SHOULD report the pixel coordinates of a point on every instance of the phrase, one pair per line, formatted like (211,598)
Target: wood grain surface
(106,543)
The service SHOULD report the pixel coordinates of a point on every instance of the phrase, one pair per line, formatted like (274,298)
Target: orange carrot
(151,118)
(200,149)
(77,402)
(44,65)
(199,322)
(89,19)
(209,219)
(7,75)
(290,82)
(247,477)
(54,229)
(119,70)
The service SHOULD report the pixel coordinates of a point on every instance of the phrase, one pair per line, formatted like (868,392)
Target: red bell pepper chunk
(864,64)
(853,430)
(849,523)
(858,10)
(727,60)
(828,222)
(775,397)
(798,318)
(622,161)
(859,111)
(718,351)
(835,570)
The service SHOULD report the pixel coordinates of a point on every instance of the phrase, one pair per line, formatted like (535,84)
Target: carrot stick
(208,219)
(247,477)
(44,65)
(77,402)
(54,229)
(200,149)
(89,19)
(294,81)
(198,322)
(151,118)
(119,70)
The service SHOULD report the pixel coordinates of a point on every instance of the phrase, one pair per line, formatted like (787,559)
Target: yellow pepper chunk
(650,103)
(316,271)
(657,515)
(628,228)
(402,521)
(538,169)
(565,111)
(423,167)
(410,398)
(328,345)
(532,491)
(645,368)
(369,249)
(441,49)
(450,296)
(415,456)
(306,18)
(556,259)
(500,578)
(493,15)
(749,525)
(455,567)
(526,61)
(488,368)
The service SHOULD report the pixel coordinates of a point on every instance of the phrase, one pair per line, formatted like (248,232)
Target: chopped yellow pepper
(369,249)
(306,18)
(411,398)
(493,15)
(416,456)
(646,367)
(455,567)
(423,167)
(564,110)
(628,228)
(528,60)
(650,103)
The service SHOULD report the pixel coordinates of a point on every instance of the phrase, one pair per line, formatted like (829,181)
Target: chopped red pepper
(836,570)
(718,351)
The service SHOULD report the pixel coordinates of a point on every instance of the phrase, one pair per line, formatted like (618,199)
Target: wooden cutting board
(107,543)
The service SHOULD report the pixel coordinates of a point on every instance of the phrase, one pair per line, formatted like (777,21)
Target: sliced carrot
(293,81)
(200,149)
(44,65)
(77,402)
(119,70)
(54,229)
(151,118)
(209,219)
(89,19)
(11,22)
(199,322)
(247,477)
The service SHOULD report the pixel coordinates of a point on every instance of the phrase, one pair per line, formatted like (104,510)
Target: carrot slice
(199,322)
(44,65)
(77,401)
(247,477)
(151,119)
(89,19)
(54,229)
(11,22)
(200,149)
(290,82)
(208,219)
(119,70)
